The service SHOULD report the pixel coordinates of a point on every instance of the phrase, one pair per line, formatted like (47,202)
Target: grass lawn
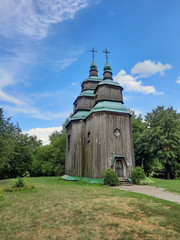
(169,185)
(57,209)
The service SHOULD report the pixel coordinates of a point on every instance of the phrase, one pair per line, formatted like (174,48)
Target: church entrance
(120,167)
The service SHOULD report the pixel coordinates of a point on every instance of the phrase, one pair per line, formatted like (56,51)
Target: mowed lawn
(57,209)
(171,185)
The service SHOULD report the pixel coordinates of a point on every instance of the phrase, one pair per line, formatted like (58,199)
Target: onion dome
(93,69)
(107,67)
(107,71)
(93,65)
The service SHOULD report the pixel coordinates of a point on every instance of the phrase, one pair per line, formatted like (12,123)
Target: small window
(117,132)
(69,139)
(88,136)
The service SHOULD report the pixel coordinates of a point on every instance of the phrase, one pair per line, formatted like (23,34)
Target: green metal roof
(110,106)
(107,67)
(87,93)
(93,65)
(93,78)
(110,82)
(80,115)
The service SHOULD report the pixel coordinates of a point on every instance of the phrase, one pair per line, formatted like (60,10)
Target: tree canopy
(156,145)
(157,141)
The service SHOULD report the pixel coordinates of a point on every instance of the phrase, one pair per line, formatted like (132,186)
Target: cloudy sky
(44,55)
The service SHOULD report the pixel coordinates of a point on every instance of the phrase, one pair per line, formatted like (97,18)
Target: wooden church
(99,132)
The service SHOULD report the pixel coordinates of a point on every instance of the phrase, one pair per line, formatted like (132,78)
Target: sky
(44,56)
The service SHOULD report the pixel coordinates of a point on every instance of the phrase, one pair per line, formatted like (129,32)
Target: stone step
(124,182)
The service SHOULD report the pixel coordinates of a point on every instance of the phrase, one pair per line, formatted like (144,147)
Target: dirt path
(152,191)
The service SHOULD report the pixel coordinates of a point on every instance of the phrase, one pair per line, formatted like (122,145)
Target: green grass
(169,185)
(57,209)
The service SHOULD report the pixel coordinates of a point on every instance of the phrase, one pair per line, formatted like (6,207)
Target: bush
(110,178)
(137,175)
(19,183)
(146,181)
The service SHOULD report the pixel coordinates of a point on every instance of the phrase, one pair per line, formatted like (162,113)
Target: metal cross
(93,51)
(106,52)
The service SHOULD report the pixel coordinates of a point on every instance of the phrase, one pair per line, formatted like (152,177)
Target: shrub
(19,183)
(146,181)
(110,178)
(137,175)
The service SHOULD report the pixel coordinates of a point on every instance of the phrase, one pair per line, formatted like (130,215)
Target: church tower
(99,132)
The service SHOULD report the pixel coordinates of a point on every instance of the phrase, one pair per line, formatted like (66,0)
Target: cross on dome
(106,52)
(93,51)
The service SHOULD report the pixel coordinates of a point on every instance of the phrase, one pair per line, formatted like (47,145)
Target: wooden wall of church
(84,103)
(101,144)
(89,85)
(74,149)
(105,92)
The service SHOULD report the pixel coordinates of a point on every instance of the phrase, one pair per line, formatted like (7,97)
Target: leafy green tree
(157,141)
(164,138)
(16,148)
(8,136)
(24,149)
(143,155)
(42,156)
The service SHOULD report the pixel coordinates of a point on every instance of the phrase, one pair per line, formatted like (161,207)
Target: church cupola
(107,68)
(93,68)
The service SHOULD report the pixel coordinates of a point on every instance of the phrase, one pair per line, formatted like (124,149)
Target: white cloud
(149,68)
(6,79)
(178,80)
(8,98)
(62,64)
(43,133)
(34,17)
(34,112)
(137,112)
(131,84)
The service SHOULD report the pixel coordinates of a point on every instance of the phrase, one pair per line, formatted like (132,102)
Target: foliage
(20,153)
(17,189)
(110,178)
(157,141)
(146,181)
(16,149)
(137,175)
(49,160)
(21,184)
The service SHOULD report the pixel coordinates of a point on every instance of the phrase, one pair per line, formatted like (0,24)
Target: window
(88,136)
(117,132)
(69,139)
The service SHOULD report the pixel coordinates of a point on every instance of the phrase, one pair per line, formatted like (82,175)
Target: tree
(50,159)
(164,138)
(8,135)
(16,149)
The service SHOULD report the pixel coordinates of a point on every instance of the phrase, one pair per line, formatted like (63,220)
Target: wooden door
(119,168)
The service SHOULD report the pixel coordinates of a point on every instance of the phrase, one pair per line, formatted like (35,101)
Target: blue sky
(44,55)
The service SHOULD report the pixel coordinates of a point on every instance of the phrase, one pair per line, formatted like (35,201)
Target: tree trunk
(168,175)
